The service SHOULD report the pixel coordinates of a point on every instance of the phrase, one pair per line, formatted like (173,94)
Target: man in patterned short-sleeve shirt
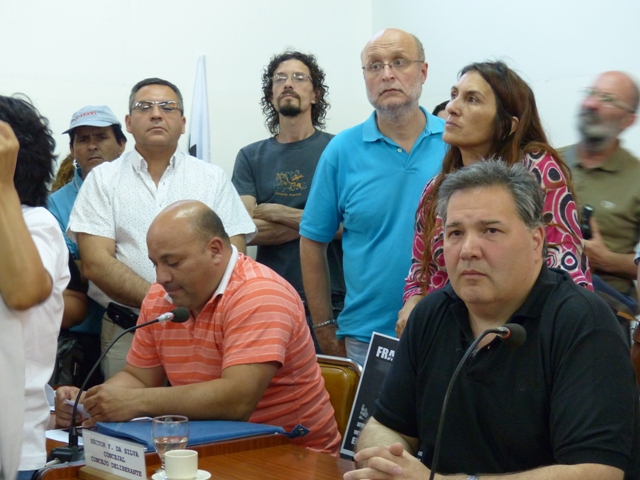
(119,200)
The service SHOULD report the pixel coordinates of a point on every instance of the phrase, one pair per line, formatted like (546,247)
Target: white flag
(199,130)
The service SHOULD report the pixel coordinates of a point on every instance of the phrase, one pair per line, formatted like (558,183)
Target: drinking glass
(169,432)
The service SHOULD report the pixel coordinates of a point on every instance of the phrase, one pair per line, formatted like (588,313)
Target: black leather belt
(121,316)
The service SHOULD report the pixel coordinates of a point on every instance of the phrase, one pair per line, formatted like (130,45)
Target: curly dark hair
(34,168)
(318,110)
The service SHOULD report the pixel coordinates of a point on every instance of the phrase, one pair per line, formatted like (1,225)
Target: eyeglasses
(147,106)
(608,99)
(296,77)
(399,65)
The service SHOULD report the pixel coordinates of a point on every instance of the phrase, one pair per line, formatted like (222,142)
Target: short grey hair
(521,184)
(419,48)
(155,81)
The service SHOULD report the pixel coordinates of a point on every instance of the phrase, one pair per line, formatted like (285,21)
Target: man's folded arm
(281,214)
(269,232)
(100,265)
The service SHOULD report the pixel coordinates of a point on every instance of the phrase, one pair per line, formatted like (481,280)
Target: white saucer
(202,475)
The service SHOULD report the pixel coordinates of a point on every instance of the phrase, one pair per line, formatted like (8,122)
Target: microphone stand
(512,334)
(73,451)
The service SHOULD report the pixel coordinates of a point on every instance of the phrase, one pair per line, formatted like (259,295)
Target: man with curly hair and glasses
(273,176)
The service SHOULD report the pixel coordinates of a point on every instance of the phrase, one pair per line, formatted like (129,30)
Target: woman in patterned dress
(492,114)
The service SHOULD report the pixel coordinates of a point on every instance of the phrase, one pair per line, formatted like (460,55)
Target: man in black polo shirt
(561,406)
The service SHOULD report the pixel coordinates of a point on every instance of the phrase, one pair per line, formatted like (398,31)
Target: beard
(289,108)
(596,132)
(398,108)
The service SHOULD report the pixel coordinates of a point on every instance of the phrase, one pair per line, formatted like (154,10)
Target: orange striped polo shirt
(258,318)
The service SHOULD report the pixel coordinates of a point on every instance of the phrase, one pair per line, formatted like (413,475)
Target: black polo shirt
(567,395)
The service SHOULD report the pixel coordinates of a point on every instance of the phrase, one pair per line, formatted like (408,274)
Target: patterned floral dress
(564,240)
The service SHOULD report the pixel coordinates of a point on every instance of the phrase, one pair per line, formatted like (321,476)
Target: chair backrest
(341,379)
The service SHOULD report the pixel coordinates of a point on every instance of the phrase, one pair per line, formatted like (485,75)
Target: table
(271,457)
(275,463)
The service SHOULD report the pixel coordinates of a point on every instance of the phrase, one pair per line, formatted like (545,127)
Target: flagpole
(199,141)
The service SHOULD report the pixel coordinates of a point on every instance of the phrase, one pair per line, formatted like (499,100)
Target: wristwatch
(324,324)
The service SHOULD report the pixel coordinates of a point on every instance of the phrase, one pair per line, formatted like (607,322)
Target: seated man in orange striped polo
(244,354)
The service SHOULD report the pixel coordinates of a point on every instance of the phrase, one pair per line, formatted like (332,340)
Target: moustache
(384,88)
(590,116)
(289,94)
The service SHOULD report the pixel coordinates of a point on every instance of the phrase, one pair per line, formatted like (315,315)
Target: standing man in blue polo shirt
(95,137)
(369,179)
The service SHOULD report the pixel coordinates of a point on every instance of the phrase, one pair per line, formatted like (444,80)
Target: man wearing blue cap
(95,137)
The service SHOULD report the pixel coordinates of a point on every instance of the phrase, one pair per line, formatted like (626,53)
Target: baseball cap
(93,116)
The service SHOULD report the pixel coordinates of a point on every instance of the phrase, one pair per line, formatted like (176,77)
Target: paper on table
(51,397)
(80,407)
(62,435)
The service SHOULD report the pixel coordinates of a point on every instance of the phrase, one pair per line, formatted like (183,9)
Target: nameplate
(113,455)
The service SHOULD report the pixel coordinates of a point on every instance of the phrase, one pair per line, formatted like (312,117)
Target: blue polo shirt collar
(371,133)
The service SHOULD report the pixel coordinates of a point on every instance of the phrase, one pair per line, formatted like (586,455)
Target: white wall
(558,46)
(70,53)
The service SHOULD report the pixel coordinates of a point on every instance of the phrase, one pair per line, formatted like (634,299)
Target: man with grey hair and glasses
(605,178)
(369,179)
(560,405)
(119,200)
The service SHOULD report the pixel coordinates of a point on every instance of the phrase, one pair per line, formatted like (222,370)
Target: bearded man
(605,177)
(273,176)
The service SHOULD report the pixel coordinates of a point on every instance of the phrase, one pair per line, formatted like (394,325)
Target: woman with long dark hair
(492,114)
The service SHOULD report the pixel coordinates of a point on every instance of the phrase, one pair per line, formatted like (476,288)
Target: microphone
(72,451)
(511,334)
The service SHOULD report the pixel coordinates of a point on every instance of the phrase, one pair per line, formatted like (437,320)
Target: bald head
(190,251)
(607,110)
(189,216)
(621,85)
(394,71)
(393,36)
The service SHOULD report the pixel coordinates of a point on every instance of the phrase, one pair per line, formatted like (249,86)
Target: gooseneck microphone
(72,451)
(511,334)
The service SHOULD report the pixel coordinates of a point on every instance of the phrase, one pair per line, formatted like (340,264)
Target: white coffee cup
(181,464)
